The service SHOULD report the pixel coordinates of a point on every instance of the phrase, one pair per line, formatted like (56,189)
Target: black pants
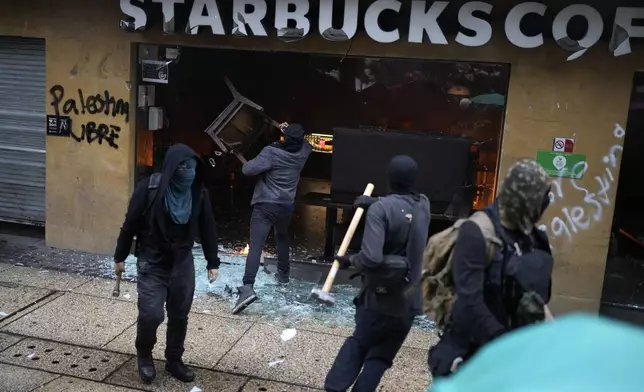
(173,288)
(266,216)
(372,349)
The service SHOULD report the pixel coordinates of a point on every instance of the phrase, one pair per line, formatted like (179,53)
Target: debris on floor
(288,334)
(276,362)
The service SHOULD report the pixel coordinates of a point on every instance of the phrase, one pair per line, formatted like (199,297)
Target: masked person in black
(278,167)
(396,228)
(166,213)
(486,304)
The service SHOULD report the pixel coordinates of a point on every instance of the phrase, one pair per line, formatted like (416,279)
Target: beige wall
(88,185)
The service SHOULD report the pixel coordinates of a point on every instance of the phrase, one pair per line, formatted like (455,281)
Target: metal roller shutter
(22,130)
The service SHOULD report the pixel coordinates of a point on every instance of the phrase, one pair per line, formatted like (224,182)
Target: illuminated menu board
(320,143)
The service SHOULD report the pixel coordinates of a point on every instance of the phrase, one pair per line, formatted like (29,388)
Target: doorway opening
(435,100)
(623,291)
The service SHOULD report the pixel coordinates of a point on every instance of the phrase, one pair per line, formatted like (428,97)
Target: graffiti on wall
(574,219)
(98,104)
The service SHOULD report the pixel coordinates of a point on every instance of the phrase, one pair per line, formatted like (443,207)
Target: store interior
(623,292)
(438,100)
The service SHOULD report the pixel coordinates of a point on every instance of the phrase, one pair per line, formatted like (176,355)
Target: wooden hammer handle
(346,241)
(548,313)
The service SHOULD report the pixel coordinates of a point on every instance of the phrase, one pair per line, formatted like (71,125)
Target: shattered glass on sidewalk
(277,303)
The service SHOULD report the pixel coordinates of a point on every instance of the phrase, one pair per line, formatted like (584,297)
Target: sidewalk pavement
(65,332)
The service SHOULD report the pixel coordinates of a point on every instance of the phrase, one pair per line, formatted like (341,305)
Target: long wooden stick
(346,241)
(548,313)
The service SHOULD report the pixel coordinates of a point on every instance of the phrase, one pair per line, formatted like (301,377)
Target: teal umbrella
(572,354)
(489,99)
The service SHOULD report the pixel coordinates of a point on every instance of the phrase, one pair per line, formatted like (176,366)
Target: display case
(320,142)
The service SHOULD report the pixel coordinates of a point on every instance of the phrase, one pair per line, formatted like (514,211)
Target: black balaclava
(293,138)
(401,174)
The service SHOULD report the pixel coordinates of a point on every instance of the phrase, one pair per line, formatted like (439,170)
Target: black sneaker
(180,371)
(281,277)
(147,372)
(246,297)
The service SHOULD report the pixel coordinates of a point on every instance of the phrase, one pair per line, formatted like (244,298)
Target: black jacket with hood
(156,246)
(388,232)
(479,313)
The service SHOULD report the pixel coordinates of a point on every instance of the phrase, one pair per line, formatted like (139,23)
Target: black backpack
(393,276)
(527,286)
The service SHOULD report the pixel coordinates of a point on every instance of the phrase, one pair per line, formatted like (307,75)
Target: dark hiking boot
(147,372)
(282,277)
(180,371)
(246,297)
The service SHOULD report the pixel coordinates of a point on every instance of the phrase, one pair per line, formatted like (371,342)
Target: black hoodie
(151,227)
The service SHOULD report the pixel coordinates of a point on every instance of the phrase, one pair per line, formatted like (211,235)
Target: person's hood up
(571,354)
(523,196)
(293,138)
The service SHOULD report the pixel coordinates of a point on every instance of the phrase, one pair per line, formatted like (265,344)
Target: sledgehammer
(324,296)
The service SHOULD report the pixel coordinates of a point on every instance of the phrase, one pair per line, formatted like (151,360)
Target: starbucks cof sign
(423,22)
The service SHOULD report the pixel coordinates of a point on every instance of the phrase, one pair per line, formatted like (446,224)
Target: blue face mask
(185,174)
(178,194)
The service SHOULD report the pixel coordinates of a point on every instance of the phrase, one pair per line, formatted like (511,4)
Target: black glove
(345,261)
(364,202)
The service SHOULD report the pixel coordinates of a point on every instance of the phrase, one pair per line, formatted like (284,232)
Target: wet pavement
(61,301)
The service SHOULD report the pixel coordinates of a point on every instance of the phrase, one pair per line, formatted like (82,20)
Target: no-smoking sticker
(562,144)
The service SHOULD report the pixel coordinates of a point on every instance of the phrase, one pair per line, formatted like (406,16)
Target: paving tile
(8,340)
(63,359)
(70,384)
(304,360)
(4,266)
(17,379)
(311,323)
(420,339)
(206,380)
(256,385)
(208,339)
(417,337)
(77,319)
(14,297)
(42,302)
(52,280)
(98,287)
(409,373)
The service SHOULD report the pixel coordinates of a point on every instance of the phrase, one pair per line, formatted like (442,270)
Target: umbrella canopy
(489,99)
(574,353)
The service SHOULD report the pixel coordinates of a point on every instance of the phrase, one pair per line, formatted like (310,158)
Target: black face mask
(401,173)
